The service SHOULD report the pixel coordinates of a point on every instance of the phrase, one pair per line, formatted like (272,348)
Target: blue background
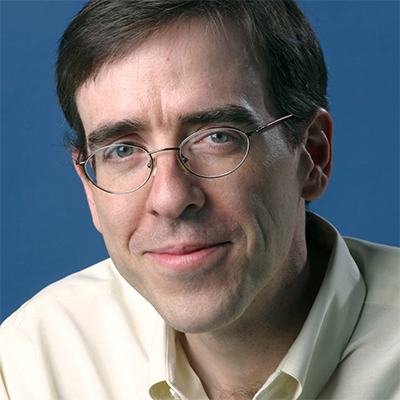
(46,228)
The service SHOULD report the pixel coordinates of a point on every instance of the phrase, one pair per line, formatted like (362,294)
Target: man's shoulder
(380,267)
(79,336)
(76,293)
(369,363)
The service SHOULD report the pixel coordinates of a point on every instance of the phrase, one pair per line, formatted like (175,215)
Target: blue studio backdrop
(46,228)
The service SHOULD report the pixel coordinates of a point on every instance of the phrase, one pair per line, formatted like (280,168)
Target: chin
(201,318)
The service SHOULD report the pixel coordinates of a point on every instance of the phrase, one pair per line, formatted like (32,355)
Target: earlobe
(318,148)
(89,192)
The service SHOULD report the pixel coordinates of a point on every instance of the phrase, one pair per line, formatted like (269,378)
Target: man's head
(205,253)
(107,30)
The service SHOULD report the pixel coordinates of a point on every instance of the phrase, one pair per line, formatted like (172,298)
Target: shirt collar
(171,376)
(317,350)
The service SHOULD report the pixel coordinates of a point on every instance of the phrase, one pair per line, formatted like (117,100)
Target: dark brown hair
(278,33)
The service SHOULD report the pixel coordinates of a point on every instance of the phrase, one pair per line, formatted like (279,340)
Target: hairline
(261,50)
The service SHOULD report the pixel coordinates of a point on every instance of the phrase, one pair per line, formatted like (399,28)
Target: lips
(188,256)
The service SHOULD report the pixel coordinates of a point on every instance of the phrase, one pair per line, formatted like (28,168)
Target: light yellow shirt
(91,336)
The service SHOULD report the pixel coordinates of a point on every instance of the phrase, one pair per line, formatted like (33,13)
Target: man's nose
(173,190)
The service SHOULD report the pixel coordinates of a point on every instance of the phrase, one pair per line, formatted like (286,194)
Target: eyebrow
(112,130)
(231,114)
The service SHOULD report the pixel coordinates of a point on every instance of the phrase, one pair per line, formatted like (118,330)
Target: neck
(234,362)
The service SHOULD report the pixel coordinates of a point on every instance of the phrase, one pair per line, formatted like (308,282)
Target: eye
(215,142)
(120,151)
(220,137)
(223,139)
(120,156)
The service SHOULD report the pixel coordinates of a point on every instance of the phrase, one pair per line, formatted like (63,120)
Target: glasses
(121,168)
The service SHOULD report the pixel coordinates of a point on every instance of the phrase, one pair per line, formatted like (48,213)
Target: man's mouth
(186,257)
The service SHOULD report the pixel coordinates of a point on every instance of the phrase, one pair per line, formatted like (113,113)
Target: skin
(211,255)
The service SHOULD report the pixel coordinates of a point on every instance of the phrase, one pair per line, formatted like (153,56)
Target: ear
(318,147)
(87,185)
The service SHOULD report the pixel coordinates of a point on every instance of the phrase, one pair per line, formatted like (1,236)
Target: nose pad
(181,163)
(153,172)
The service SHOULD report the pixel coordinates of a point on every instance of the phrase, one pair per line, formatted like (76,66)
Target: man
(202,131)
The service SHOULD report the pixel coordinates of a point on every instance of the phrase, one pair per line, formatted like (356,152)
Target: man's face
(200,250)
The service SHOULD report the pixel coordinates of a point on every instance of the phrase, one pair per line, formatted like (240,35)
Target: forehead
(184,67)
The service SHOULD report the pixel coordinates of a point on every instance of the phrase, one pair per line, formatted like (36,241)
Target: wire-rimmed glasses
(209,153)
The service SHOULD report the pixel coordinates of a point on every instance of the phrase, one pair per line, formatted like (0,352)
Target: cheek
(119,217)
(243,197)
(269,191)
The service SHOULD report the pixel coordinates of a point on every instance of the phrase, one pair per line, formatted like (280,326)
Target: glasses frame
(181,157)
